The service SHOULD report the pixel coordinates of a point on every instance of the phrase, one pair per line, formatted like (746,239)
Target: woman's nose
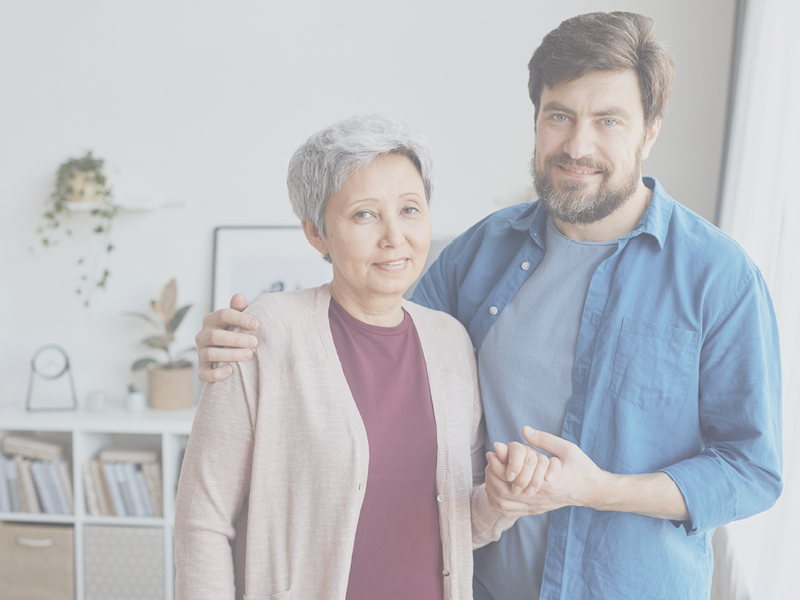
(392,234)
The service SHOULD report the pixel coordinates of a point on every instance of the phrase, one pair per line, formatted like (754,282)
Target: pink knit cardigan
(276,466)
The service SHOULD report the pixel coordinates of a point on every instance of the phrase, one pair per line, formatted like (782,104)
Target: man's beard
(573,203)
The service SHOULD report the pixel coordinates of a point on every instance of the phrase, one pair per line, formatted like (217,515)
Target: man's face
(590,143)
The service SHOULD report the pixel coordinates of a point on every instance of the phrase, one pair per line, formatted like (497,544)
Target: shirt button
(446,573)
(493,310)
(440,498)
(525,266)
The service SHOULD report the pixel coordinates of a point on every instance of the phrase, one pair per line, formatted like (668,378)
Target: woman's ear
(314,237)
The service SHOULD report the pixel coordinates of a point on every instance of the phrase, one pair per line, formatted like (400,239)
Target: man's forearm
(651,494)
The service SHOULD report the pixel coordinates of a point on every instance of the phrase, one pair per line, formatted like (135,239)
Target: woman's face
(377,231)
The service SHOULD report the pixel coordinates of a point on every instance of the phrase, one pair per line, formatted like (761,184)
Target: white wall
(205,101)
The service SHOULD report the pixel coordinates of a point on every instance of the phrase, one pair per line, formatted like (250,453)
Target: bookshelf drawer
(37,562)
(125,563)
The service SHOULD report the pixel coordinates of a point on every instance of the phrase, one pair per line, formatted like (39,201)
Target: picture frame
(262,258)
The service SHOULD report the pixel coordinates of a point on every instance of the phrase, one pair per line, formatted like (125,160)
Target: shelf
(143,206)
(85,433)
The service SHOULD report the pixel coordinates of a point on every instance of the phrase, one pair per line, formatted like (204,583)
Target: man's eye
(560,117)
(609,122)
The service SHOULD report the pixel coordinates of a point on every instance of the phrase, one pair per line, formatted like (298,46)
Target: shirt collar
(654,221)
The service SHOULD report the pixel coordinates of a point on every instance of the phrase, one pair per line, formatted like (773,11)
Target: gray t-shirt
(525,366)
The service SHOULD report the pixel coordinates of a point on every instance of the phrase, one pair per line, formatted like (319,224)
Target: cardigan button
(440,498)
(446,573)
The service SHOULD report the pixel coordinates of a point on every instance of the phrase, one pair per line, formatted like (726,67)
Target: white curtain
(761,210)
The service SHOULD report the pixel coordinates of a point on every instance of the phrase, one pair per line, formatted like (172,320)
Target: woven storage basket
(170,388)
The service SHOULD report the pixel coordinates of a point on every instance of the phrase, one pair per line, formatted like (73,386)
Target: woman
(346,459)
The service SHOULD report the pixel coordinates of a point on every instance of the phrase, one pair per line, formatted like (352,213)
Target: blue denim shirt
(677,369)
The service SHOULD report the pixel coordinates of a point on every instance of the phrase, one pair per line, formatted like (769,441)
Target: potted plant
(170,381)
(81,184)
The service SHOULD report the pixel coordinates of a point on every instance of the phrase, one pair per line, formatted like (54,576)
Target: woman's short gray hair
(319,167)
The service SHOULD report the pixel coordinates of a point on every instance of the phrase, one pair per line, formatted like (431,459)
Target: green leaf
(161,342)
(176,320)
(143,363)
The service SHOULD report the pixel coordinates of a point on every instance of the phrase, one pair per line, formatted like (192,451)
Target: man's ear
(650,135)
(314,237)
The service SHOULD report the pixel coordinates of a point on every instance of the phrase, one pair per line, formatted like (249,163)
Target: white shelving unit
(85,433)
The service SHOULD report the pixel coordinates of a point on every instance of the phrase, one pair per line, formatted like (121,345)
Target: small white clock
(50,363)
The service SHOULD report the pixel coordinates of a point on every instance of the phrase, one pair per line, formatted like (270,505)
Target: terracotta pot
(170,388)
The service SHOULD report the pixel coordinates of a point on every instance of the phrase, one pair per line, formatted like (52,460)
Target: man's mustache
(565,160)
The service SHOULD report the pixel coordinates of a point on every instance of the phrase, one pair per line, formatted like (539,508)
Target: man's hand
(516,472)
(215,343)
(580,482)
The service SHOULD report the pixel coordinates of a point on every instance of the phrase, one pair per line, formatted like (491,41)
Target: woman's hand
(216,343)
(516,472)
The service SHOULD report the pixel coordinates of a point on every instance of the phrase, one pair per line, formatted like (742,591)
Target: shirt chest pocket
(654,363)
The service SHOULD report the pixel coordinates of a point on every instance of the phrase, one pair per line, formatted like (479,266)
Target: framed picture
(256,260)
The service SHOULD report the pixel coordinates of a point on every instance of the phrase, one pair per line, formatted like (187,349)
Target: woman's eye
(362,214)
(410,210)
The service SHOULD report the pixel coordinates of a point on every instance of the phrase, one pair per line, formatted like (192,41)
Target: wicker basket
(170,388)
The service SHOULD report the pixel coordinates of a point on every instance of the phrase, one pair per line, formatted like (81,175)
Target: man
(637,339)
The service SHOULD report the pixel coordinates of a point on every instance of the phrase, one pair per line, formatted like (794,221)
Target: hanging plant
(80,182)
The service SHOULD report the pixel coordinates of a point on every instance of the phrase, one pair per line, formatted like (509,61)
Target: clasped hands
(521,481)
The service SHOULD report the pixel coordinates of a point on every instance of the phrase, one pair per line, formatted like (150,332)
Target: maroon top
(398,552)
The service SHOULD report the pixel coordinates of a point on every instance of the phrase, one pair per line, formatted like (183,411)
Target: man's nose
(580,141)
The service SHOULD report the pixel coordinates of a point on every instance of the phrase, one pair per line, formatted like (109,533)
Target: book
(101,488)
(59,489)
(64,473)
(145,493)
(5,499)
(32,447)
(152,475)
(125,488)
(11,481)
(114,490)
(132,484)
(41,480)
(124,455)
(90,489)
(28,500)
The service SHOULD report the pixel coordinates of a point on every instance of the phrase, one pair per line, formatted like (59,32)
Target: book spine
(27,490)
(144,493)
(132,484)
(5,499)
(42,485)
(101,488)
(12,483)
(58,487)
(64,475)
(134,456)
(32,448)
(152,475)
(90,487)
(110,476)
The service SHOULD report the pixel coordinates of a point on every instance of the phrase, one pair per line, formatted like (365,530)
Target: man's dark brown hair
(599,41)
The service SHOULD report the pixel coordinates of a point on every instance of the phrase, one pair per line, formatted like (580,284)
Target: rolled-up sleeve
(739,473)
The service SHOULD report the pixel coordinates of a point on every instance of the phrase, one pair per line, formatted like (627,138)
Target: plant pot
(170,388)
(86,189)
